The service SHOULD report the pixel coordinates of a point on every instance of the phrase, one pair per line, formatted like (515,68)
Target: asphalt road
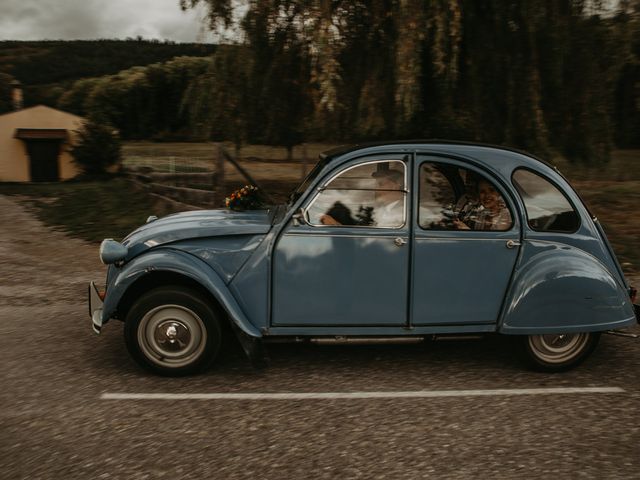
(55,425)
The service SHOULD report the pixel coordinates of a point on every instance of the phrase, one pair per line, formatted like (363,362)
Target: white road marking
(359,395)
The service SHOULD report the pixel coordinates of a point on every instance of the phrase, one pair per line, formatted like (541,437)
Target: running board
(388,340)
(339,340)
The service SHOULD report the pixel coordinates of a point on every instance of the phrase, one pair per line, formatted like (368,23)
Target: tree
(535,75)
(217,103)
(627,93)
(279,74)
(97,148)
(6,92)
(141,102)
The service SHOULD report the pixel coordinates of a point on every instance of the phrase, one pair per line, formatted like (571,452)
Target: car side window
(548,209)
(453,198)
(368,195)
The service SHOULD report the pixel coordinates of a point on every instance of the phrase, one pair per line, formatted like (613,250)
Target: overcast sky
(90,19)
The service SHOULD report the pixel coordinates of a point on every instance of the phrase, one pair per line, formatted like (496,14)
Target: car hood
(196,224)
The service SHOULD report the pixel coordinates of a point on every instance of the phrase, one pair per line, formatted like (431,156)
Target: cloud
(90,19)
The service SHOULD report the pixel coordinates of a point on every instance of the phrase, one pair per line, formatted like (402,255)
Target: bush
(97,148)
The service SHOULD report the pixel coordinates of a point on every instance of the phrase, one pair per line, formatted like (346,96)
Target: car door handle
(400,242)
(513,243)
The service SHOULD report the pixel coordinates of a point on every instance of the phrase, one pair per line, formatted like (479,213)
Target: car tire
(558,352)
(173,331)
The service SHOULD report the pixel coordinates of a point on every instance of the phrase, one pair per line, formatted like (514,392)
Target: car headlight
(112,251)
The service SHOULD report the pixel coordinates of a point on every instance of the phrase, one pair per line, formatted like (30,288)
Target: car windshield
(295,194)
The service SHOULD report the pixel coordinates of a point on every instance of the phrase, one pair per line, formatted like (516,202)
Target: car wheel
(172,331)
(558,352)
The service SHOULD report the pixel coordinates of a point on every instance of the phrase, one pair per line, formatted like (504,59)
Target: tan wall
(14,160)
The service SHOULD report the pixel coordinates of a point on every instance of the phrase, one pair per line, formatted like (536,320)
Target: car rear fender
(177,263)
(560,288)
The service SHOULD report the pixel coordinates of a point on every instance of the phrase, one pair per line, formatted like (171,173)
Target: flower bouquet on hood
(246,198)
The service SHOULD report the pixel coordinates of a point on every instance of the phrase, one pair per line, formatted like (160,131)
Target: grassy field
(94,210)
(136,152)
(90,210)
(262,161)
(616,206)
(612,193)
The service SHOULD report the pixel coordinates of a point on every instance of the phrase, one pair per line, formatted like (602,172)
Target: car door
(463,252)
(347,263)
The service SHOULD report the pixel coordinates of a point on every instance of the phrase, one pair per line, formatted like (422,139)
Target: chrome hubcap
(558,348)
(172,336)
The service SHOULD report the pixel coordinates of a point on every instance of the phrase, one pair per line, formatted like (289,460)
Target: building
(35,143)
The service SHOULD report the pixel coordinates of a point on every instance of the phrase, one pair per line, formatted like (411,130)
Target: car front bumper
(95,308)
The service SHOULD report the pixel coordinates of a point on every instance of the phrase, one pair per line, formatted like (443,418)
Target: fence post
(250,180)
(304,161)
(219,184)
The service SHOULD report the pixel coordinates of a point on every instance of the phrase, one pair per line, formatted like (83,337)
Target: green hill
(47,68)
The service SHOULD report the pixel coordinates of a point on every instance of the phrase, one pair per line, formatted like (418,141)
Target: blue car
(394,240)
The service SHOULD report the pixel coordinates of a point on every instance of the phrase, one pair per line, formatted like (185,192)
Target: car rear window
(548,209)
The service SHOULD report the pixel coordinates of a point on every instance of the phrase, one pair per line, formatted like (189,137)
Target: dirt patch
(41,266)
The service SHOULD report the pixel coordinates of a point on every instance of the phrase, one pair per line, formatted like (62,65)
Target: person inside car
(490,214)
(388,210)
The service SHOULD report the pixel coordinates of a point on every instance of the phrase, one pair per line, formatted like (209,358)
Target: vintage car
(387,240)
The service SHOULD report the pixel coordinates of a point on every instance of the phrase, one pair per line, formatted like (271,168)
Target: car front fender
(180,263)
(562,289)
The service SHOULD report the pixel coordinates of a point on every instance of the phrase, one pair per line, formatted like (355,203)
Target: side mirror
(300,218)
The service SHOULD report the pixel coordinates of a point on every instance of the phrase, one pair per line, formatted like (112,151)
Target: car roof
(334,153)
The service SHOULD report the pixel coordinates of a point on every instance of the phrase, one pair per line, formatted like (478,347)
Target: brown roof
(41,134)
